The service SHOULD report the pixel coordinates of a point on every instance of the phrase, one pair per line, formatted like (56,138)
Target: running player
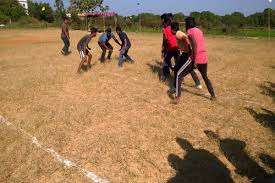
(199,54)
(169,48)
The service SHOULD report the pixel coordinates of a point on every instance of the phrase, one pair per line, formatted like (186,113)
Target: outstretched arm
(106,47)
(115,39)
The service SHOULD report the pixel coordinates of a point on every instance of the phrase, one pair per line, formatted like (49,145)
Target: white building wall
(24,3)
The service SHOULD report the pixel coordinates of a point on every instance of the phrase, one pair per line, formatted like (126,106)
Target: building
(24,3)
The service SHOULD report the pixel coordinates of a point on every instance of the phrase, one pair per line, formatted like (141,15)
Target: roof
(97,14)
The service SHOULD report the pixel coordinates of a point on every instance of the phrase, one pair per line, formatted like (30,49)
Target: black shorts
(107,44)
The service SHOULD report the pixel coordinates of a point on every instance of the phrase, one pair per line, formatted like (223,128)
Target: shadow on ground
(264,117)
(234,151)
(197,166)
(156,68)
(268,88)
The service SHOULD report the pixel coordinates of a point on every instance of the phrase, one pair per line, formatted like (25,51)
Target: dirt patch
(119,123)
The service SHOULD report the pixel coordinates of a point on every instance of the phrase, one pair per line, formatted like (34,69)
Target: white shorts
(82,55)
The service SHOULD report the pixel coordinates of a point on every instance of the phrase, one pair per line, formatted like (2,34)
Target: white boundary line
(67,163)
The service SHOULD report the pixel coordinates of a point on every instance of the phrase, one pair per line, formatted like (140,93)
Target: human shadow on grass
(86,68)
(197,166)
(234,151)
(265,117)
(268,88)
(157,69)
(268,160)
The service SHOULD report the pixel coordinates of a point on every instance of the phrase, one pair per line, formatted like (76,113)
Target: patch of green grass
(247,32)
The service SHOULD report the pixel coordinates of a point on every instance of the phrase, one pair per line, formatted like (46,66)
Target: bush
(230,29)
(12,9)
(28,21)
(76,23)
(35,10)
(3,18)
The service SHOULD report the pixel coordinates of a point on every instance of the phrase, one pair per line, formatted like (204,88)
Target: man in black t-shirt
(125,46)
(65,36)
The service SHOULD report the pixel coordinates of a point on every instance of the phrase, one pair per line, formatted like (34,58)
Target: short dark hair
(65,18)
(170,15)
(175,26)
(118,28)
(190,23)
(167,21)
(109,30)
(163,16)
(93,30)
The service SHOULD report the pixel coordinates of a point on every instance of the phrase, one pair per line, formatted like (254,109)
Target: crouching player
(83,48)
(125,47)
(104,44)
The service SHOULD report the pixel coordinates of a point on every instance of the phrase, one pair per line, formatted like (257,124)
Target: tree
(236,19)
(254,20)
(12,9)
(149,20)
(104,8)
(35,10)
(179,17)
(47,14)
(209,20)
(85,5)
(60,10)
(3,18)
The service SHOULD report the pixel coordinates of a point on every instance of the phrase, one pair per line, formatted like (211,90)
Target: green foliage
(104,8)
(76,23)
(236,20)
(179,17)
(149,20)
(35,10)
(3,18)
(28,21)
(60,10)
(11,9)
(85,5)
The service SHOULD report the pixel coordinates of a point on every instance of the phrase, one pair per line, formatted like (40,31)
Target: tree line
(12,11)
(208,20)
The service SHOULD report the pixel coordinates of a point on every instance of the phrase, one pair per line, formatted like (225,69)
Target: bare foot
(175,101)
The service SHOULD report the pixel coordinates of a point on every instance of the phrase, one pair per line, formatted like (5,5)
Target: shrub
(3,18)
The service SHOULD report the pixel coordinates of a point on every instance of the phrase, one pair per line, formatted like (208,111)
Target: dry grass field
(119,123)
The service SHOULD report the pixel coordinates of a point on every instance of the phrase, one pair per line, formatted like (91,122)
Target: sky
(220,7)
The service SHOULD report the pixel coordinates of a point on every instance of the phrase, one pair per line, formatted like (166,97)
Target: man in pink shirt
(199,55)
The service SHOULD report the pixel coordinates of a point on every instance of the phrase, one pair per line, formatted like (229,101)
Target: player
(125,46)
(84,50)
(199,54)
(169,48)
(104,44)
(65,36)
